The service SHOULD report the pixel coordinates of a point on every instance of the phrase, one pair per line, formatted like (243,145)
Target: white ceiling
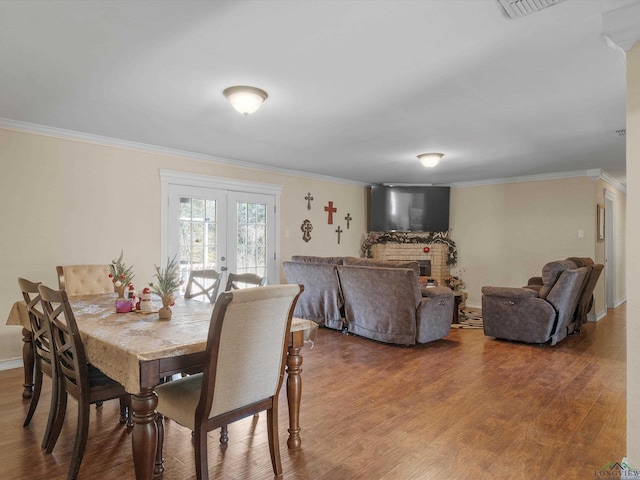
(356,88)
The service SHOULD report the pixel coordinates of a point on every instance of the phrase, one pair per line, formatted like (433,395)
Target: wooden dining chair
(197,284)
(247,279)
(249,329)
(75,375)
(84,279)
(44,361)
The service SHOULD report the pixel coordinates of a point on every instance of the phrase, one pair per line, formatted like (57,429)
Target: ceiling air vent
(520,8)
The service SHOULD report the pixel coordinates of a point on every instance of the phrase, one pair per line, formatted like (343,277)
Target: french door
(221,229)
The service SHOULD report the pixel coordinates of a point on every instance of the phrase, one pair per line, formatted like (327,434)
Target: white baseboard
(11,363)
(619,302)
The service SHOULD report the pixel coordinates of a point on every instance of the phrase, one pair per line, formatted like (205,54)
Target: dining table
(139,350)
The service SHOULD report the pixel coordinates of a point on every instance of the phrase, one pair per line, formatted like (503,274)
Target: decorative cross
(306,228)
(348,219)
(330,210)
(339,231)
(308,198)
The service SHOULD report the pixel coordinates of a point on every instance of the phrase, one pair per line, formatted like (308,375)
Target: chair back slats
(234,280)
(39,325)
(203,283)
(246,347)
(68,346)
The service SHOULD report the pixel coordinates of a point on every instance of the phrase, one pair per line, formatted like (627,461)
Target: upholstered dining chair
(248,279)
(196,285)
(243,371)
(76,377)
(44,361)
(84,279)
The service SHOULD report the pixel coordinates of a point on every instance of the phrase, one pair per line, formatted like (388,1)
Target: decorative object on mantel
(426,249)
(373,238)
(120,275)
(168,282)
(454,283)
(348,219)
(338,231)
(330,209)
(306,228)
(309,199)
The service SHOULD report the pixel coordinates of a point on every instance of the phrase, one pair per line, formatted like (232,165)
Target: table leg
(456,308)
(28,362)
(145,433)
(294,388)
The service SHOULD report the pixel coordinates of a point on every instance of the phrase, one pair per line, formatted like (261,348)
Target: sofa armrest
(434,316)
(509,292)
(435,291)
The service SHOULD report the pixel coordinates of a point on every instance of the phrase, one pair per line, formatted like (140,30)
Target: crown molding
(8,124)
(593,174)
(143,147)
(621,27)
(599,174)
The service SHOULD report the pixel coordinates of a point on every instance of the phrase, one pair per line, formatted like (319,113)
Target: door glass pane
(251,249)
(197,248)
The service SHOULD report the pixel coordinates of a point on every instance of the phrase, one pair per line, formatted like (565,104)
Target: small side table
(459,301)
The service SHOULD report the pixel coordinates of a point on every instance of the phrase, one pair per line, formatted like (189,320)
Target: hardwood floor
(467,407)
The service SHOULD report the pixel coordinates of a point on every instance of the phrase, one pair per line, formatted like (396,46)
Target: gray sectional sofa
(376,299)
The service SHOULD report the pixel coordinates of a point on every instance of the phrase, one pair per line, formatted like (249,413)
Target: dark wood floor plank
(467,406)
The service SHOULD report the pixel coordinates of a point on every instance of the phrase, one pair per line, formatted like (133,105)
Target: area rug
(469,318)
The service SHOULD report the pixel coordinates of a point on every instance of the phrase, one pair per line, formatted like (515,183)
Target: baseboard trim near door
(10,364)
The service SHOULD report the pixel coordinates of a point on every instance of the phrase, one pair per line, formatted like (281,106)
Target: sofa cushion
(581,261)
(312,259)
(550,274)
(376,262)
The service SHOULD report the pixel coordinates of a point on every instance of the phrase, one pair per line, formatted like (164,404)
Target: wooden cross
(348,219)
(331,210)
(308,198)
(339,231)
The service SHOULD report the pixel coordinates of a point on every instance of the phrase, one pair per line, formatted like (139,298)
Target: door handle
(223,269)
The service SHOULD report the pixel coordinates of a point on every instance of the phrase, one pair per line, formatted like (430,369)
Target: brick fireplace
(437,256)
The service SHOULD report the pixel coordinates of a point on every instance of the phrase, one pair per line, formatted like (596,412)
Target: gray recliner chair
(535,315)
(586,300)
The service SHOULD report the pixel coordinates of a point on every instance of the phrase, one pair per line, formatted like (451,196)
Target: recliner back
(322,299)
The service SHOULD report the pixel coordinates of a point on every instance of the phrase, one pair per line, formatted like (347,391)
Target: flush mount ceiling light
(430,159)
(245,99)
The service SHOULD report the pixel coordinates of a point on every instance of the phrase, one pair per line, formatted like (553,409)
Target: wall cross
(308,198)
(339,231)
(330,210)
(348,219)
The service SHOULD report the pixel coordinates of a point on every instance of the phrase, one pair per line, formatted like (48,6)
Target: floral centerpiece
(168,281)
(454,281)
(121,275)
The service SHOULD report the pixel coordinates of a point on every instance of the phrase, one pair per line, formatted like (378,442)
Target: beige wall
(505,233)
(70,202)
(633,262)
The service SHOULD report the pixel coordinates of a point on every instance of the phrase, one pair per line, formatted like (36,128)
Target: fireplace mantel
(437,254)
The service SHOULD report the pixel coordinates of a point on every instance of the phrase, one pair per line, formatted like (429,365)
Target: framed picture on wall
(600,222)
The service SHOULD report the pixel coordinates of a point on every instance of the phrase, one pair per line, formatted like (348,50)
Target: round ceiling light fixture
(430,159)
(245,99)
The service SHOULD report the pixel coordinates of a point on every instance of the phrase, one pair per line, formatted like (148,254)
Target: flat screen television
(408,209)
